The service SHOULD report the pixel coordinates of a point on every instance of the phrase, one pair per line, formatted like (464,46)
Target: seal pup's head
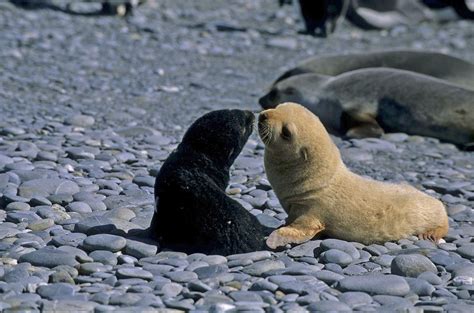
(220,135)
(299,88)
(292,134)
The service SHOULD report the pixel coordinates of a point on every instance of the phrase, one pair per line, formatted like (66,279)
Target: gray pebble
(376,284)
(245,296)
(107,242)
(412,265)
(336,256)
(341,245)
(46,187)
(80,120)
(17,206)
(57,291)
(355,299)
(104,257)
(93,267)
(139,249)
(134,273)
(263,285)
(420,287)
(79,207)
(182,277)
(48,257)
(431,277)
(260,267)
(466,251)
(329,306)
(269,221)
(171,289)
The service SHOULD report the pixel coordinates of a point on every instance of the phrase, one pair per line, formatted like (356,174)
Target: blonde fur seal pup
(320,194)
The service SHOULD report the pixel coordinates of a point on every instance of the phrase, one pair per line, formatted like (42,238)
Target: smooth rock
(107,242)
(412,265)
(376,284)
(49,258)
(46,187)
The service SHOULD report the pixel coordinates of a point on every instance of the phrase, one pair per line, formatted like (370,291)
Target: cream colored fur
(319,193)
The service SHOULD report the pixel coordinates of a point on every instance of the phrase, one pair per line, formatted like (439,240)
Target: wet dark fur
(194,214)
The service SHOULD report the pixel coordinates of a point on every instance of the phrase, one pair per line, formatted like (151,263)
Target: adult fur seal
(439,65)
(320,194)
(367,102)
(193,212)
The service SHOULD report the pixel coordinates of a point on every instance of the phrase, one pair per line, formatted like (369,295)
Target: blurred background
(177,59)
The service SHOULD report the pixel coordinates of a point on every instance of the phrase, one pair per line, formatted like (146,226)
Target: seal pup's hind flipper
(360,125)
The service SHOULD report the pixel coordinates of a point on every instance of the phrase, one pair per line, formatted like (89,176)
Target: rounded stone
(45,187)
(376,284)
(78,207)
(420,286)
(104,242)
(56,291)
(134,273)
(140,249)
(93,267)
(354,298)
(182,277)
(48,257)
(80,120)
(341,245)
(329,306)
(61,277)
(104,257)
(171,289)
(42,224)
(466,251)
(412,265)
(17,206)
(431,277)
(336,256)
(258,268)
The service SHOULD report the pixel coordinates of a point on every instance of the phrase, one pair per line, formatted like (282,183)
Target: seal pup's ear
(304,153)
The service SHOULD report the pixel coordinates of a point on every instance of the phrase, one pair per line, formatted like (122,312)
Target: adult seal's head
(298,89)
(193,212)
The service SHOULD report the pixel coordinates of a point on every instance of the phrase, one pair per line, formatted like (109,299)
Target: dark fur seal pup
(367,102)
(439,65)
(320,17)
(193,212)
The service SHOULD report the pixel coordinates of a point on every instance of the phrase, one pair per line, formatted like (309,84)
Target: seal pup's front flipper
(300,230)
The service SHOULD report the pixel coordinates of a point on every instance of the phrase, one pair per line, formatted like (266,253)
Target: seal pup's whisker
(266,132)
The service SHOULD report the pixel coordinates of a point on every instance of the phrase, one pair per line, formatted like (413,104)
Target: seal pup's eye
(285,133)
